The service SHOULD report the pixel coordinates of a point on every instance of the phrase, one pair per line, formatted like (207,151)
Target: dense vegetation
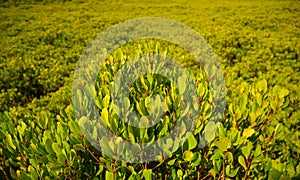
(257,43)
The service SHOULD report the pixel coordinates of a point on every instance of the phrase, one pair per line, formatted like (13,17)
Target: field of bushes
(257,44)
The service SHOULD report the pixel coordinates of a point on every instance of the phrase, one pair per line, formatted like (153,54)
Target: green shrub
(250,143)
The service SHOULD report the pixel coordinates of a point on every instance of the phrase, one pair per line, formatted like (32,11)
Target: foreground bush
(250,142)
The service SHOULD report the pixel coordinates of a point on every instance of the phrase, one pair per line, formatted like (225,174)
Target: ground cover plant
(257,43)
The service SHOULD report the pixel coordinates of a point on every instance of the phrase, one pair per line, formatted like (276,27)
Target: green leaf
(144,122)
(209,131)
(125,104)
(150,79)
(227,170)
(56,148)
(262,85)
(9,141)
(188,155)
(223,143)
(283,92)
(230,108)
(177,101)
(246,150)
(285,103)
(148,174)
(74,127)
(201,90)
(104,116)
(165,127)
(104,144)
(61,131)
(182,84)
(131,168)
(82,121)
(48,146)
(34,149)
(61,158)
(196,161)
(229,157)
(275,174)
(248,132)
(169,143)
(242,162)
(145,85)
(43,119)
(141,108)
(90,91)
(109,175)
(217,154)
(253,117)
(114,124)
(21,128)
(222,130)
(134,177)
(273,104)
(171,162)
(95,133)
(179,173)
(259,99)
(135,148)
(233,172)
(106,100)
(192,142)
(131,134)
(79,147)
